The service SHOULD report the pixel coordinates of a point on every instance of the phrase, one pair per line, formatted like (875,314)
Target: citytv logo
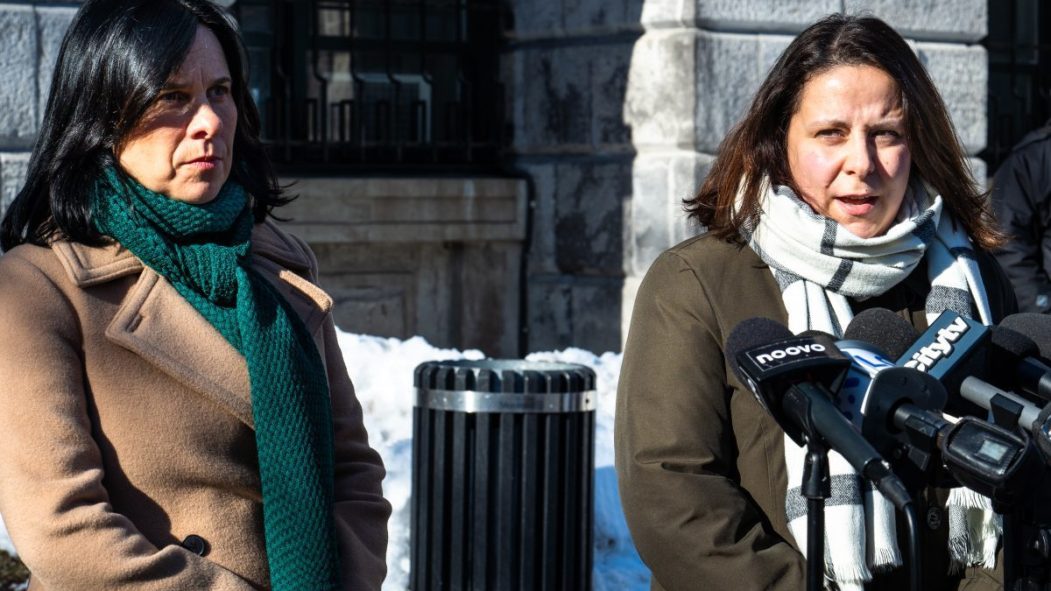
(941,348)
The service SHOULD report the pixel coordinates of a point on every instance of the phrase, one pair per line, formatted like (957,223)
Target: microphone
(791,376)
(883,329)
(1017,358)
(1035,326)
(962,354)
(894,400)
(897,413)
(869,335)
(952,349)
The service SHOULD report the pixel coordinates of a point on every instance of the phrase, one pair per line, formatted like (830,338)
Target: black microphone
(980,364)
(1015,358)
(792,378)
(1035,326)
(895,402)
(901,413)
(871,340)
(883,329)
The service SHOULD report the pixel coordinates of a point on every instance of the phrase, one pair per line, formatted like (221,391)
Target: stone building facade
(616,109)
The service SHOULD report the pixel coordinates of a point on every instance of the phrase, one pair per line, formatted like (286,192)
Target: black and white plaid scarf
(819,265)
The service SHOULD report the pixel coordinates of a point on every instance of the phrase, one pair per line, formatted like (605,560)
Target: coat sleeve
(1021,190)
(52,493)
(693,524)
(361,512)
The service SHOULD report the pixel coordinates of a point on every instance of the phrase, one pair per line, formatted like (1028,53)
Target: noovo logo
(792,351)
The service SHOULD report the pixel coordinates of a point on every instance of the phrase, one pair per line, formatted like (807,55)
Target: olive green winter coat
(700,463)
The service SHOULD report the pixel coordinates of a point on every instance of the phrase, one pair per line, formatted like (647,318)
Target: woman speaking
(175,413)
(843,188)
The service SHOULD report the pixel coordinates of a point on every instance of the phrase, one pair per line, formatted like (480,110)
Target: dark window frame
(1019,50)
(420,83)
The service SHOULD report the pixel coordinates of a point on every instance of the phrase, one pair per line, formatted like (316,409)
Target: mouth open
(858,206)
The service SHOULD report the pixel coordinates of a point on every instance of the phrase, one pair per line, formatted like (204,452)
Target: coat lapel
(155,322)
(159,325)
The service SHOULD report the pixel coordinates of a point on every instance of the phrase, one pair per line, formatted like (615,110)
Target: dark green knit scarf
(203,251)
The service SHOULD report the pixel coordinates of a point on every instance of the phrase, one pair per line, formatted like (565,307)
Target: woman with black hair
(843,188)
(174,408)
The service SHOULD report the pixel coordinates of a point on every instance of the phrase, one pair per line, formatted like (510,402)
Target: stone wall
(30,36)
(434,257)
(566,69)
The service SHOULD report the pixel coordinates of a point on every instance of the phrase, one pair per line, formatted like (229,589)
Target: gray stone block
(555,101)
(770,49)
(18,69)
(660,182)
(737,15)
(13,167)
(566,311)
(948,20)
(550,314)
(589,217)
(728,74)
(536,18)
(609,79)
(980,172)
(596,308)
(52,22)
(962,77)
(661,94)
(591,15)
(762,15)
(570,99)
(648,231)
(542,248)
(663,14)
(567,19)
(687,174)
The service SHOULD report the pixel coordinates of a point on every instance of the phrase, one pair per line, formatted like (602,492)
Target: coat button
(196,544)
(934,517)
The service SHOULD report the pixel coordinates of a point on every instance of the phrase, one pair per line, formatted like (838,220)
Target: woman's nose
(861,157)
(206,123)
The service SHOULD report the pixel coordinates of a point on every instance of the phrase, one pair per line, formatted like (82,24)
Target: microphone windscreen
(817,333)
(1013,343)
(1035,326)
(752,333)
(888,331)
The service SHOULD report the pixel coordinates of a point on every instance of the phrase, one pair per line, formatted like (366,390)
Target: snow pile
(381,369)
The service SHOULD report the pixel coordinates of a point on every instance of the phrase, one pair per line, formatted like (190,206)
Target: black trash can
(503,459)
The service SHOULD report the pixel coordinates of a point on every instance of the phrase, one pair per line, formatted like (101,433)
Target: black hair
(114,61)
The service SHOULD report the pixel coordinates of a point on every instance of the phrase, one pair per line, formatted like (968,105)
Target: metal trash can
(503,459)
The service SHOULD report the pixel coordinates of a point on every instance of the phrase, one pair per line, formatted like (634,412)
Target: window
(1019,46)
(368,84)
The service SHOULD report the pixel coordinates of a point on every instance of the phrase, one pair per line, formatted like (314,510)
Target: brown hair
(756,147)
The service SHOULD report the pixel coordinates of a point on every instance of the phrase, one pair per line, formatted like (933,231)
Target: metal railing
(368,84)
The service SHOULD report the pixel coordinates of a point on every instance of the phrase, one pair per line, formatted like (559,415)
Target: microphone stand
(816,487)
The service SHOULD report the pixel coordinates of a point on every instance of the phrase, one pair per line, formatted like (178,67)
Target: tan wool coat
(127,453)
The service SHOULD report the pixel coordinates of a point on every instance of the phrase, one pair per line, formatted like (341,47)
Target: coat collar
(158,324)
(91,265)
